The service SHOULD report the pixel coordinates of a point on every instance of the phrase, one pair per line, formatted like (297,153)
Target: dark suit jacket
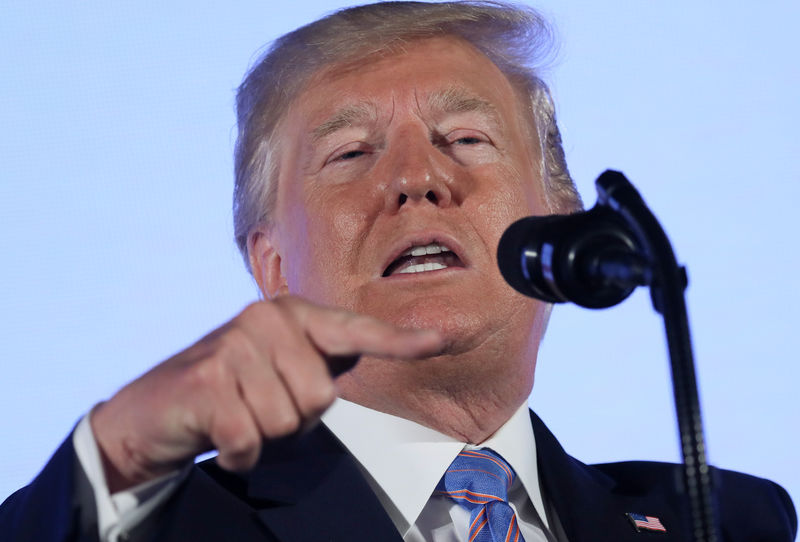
(309,489)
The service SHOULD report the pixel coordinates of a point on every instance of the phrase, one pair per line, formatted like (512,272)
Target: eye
(466,137)
(467,146)
(348,152)
(349,155)
(467,140)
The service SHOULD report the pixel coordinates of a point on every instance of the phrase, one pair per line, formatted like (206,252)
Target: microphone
(595,259)
(590,258)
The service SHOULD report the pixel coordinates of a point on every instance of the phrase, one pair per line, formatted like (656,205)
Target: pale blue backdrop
(116,132)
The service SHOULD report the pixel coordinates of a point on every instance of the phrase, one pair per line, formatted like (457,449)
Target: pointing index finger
(340,333)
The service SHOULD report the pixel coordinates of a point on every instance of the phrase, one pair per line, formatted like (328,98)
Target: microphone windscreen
(520,244)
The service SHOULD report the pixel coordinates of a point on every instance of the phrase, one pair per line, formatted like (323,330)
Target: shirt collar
(515,443)
(406,460)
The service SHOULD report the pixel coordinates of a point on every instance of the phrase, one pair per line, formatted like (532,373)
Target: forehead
(441,74)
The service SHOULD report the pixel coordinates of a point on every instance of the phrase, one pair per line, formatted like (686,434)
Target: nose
(417,173)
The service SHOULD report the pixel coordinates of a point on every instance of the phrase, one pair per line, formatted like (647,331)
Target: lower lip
(425,274)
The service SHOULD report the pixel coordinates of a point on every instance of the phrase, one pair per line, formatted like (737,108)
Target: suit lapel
(309,489)
(316,491)
(591,506)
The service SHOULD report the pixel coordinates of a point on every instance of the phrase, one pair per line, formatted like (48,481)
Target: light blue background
(116,134)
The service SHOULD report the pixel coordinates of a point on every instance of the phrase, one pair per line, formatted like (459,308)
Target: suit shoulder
(739,495)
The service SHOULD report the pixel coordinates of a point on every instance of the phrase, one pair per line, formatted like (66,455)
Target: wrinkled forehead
(448,75)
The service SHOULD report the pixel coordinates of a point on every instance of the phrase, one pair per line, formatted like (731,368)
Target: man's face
(397,176)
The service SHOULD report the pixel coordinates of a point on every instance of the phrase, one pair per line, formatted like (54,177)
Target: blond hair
(516,39)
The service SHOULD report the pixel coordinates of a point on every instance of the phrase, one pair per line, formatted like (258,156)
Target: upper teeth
(433,248)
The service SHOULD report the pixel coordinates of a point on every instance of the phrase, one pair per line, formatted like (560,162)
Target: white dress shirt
(401,460)
(404,461)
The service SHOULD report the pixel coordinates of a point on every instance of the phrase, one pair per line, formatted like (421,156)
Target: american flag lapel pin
(646,523)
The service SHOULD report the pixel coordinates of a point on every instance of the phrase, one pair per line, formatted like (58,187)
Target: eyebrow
(455,100)
(448,101)
(460,100)
(357,113)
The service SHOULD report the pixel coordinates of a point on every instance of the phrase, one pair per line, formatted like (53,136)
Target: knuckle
(219,363)
(291,358)
(261,314)
(242,443)
(209,373)
(232,343)
(283,424)
(235,438)
(267,317)
(317,398)
(224,342)
(236,350)
(253,310)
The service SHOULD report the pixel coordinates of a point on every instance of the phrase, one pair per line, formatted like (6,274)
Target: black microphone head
(556,258)
(516,247)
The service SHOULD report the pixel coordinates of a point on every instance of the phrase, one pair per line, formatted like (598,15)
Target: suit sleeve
(54,507)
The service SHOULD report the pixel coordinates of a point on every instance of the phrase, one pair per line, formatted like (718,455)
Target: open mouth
(423,258)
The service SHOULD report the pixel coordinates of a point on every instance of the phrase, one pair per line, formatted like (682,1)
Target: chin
(462,324)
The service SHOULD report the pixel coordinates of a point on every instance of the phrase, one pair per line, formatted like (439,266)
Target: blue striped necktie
(479,481)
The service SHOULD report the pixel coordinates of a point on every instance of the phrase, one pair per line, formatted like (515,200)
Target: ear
(265,263)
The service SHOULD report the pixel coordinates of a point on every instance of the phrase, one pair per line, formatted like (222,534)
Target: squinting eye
(348,152)
(464,136)
(349,155)
(467,141)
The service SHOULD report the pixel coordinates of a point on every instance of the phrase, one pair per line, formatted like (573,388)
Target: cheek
(512,196)
(346,227)
(325,254)
(338,218)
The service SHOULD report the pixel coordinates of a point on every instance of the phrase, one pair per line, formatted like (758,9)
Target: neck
(467,399)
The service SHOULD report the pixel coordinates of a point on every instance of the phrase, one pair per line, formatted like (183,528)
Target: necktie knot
(477,477)
(479,480)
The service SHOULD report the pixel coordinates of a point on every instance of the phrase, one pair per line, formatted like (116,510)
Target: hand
(265,374)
